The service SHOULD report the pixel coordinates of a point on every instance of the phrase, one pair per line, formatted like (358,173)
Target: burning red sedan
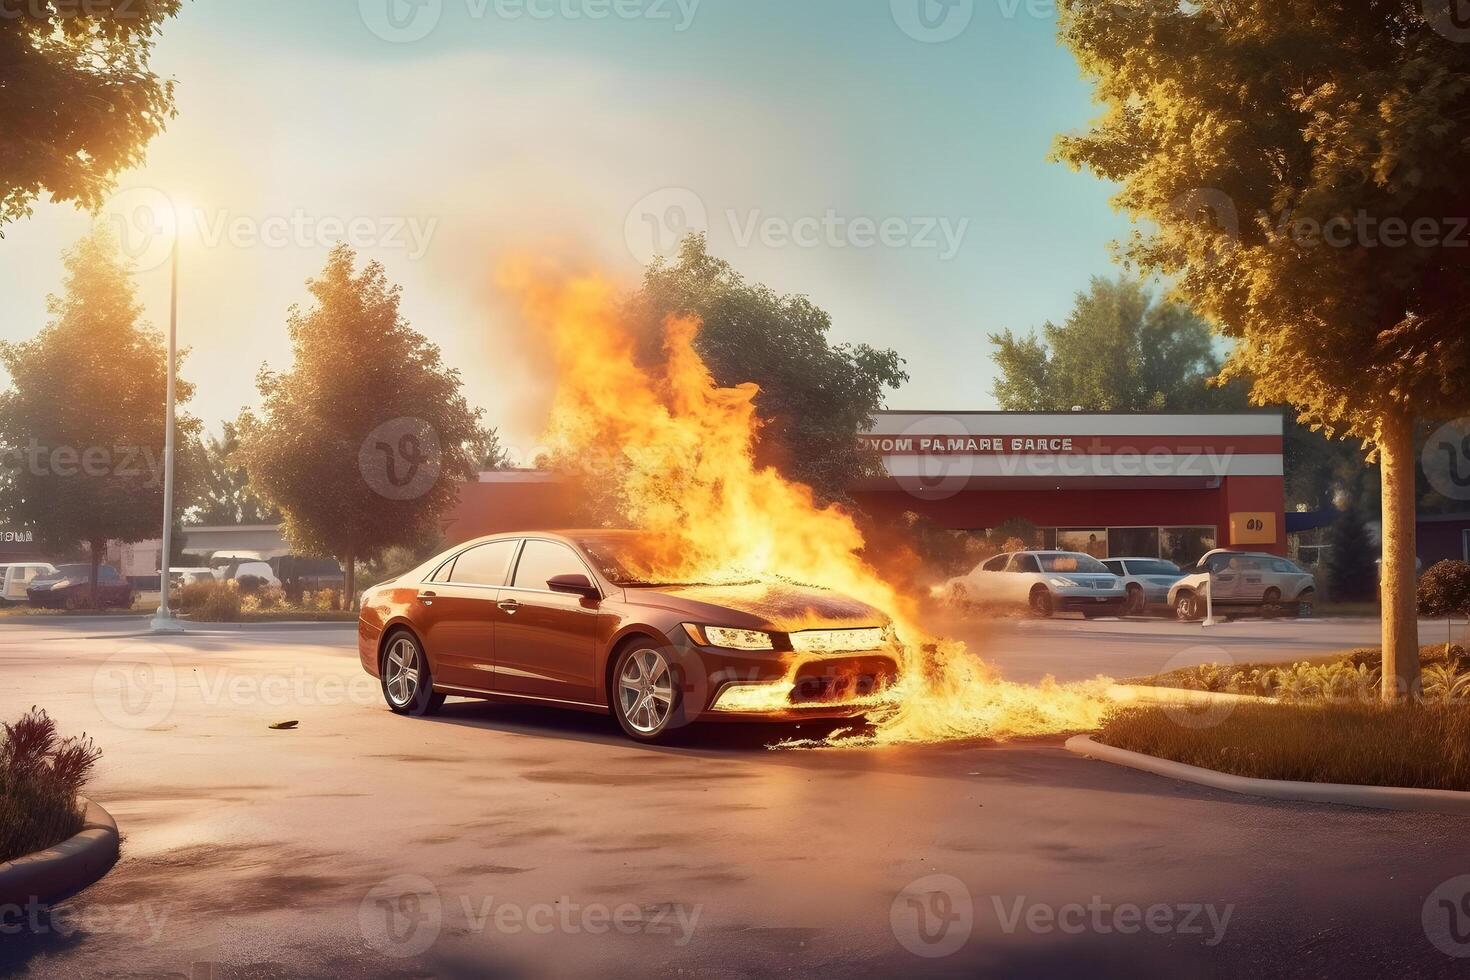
(560,618)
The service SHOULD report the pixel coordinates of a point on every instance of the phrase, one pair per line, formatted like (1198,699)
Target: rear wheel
(1041,602)
(1271,602)
(1187,607)
(408,684)
(1136,603)
(645,694)
(1305,603)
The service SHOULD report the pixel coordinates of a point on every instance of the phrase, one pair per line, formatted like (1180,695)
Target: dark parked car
(559,619)
(70,587)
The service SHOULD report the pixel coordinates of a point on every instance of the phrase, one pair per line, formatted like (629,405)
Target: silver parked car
(1146,581)
(1243,580)
(1043,581)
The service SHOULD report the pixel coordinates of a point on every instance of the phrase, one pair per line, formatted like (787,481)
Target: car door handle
(509,606)
(427,598)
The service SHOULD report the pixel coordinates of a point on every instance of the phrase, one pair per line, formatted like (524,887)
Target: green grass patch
(1420,746)
(1231,677)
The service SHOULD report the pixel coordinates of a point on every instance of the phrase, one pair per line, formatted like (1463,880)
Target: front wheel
(1305,603)
(1041,602)
(1136,603)
(645,695)
(408,684)
(1187,607)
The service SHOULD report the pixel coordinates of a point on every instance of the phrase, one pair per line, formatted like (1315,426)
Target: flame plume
(684,467)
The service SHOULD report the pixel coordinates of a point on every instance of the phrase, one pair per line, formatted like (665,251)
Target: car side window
(485,564)
(1116,567)
(106,573)
(1025,563)
(544,560)
(996,564)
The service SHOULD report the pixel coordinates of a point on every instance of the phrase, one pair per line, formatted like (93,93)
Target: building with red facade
(1158,485)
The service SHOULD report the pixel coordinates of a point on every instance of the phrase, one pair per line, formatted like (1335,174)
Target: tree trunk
(349,568)
(93,588)
(1396,578)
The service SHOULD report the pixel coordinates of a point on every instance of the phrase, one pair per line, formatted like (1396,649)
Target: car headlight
(729,638)
(1062,583)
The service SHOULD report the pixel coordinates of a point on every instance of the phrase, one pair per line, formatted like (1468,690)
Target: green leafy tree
(487,450)
(1352,572)
(81,428)
(361,445)
(225,496)
(1444,593)
(815,396)
(79,101)
(1118,350)
(1299,166)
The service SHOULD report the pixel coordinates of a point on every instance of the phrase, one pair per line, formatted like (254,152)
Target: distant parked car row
(47,586)
(1046,582)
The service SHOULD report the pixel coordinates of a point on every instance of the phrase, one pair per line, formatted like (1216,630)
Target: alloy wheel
(646,691)
(401,671)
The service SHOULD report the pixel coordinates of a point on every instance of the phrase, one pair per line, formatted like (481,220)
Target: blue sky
(592,124)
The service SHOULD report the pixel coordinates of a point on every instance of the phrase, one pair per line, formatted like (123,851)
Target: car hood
(774,607)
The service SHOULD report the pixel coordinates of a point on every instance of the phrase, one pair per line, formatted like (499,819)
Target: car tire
(1137,603)
(407,681)
(1271,603)
(1187,607)
(1305,603)
(1041,602)
(646,692)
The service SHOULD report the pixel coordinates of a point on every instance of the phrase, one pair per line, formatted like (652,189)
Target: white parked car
(236,570)
(1146,581)
(1239,580)
(15,577)
(1043,581)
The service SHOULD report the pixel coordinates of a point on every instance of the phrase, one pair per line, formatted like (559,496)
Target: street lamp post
(163,620)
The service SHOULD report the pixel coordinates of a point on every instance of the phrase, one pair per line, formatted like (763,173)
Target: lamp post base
(162,622)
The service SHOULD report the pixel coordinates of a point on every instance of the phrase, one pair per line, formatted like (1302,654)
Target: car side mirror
(574,585)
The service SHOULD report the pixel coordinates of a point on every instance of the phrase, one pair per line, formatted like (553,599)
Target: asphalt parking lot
(494,841)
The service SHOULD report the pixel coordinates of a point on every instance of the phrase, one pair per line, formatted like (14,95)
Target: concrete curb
(1376,797)
(59,872)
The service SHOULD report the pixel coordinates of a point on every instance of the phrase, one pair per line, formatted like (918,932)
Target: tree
(225,495)
(81,428)
(1444,593)
(1352,575)
(362,443)
(815,397)
(79,102)
(1299,165)
(488,453)
(1118,350)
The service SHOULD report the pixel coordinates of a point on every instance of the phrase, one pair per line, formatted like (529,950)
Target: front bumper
(1089,600)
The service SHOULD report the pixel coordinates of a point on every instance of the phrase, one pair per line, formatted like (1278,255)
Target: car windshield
(1152,566)
(1071,561)
(629,560)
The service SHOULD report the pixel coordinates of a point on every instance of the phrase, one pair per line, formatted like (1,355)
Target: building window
(1133,542)
(1088,540)
(1184,545)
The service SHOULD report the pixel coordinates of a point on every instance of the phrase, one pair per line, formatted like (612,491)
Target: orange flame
(684,468)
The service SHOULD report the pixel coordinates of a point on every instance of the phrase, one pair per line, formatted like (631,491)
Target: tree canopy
(815,396)
(81,428)
(361,445)
(79,101)
(1300,167)
(225,495)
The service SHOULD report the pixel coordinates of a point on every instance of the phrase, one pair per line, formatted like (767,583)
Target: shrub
(263,600)
(323,600)
(250,584)
(40,777)
(220,605)
(192,595)
(1352,575)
